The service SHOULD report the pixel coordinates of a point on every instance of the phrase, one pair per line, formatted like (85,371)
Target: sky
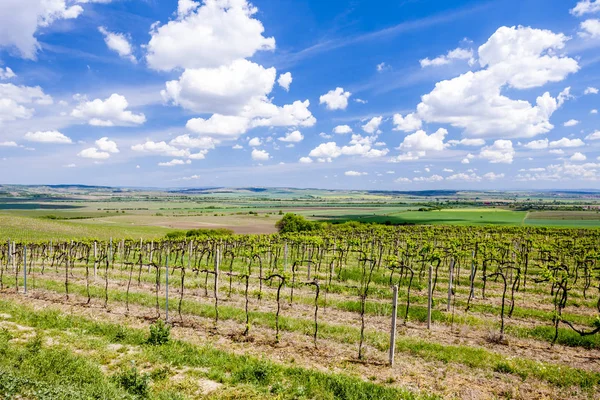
(355,94)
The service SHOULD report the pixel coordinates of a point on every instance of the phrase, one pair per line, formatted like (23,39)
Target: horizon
(426,96)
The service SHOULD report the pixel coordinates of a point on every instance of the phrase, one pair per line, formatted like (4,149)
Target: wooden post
(429,296)
(217,261)
(95,259)
(472,291)
(167,289)
(450,278)
(393,331)
(190,254)
(25,268)
(110,253)
(14,259)
(9,256)
(285,257)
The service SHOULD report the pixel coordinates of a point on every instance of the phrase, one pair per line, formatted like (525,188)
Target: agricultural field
(482,313)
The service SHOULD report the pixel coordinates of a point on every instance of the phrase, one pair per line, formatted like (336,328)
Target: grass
(239,373)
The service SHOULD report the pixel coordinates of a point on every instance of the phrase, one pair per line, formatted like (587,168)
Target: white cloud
(491,176)
(285,80)
(8,144)
(467,142)
(201,155)
(590,28)
(109,146)
(219,126)
(456,54)
(342,129)
(47,137)
(432,178)
(465,161)
(70,166)
(255,142)
(372,126)
(500,152)
(355,173)
(402,180)
(571,122)
(578,157)
(259,155)
(382,67)
(517,58)
(421,142)
(160,148)
(566,142)
(226,89)
(594,111)
(305,160)
(557,151)
(20,21)
(187,141)
(15,101)
(326,151)
(361,101)
(94,154)
(237,147)
(590,90)
(335,99)
(586,7)
(464,177)
(537,144)
(410,123)
(173,163)
(214,34)
(593,136)
(295,114)
(118,43)
(292,137)
(6,73)
(110,112)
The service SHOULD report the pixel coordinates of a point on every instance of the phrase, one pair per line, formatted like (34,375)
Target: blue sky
(378,94)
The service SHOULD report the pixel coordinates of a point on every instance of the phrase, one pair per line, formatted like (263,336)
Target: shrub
(160,333)
(133,382)
(296,223)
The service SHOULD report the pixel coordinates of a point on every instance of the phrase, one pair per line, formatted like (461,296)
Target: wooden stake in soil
(393,331)
(95,259)
(217,287)
(167,288)
(450,284)
(429,296)
(25,268)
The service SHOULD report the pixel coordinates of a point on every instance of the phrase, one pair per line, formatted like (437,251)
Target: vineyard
(510,312)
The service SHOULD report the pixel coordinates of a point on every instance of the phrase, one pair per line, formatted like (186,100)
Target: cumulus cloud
(305,160)
(260,155)
(207,36)
(17,102)
(593,136)
(8,144)
(432,178)
(219,126)
(94,154)
(410,123)
(355,173)
(226,89)
(578,157)
(467,142)
(566,142)
(47,137)
(292,137)
(160,148)
(104,144)
(501,151)
(336,99)
(119,43)
(342,129)
(110,112)
(416,145)
(188,141)
(590,28)
(285,80)
(492,176)
(6,73)
(585,7)
(21,20)
(590,90)
(254,142)
(516,58)
(571,122)
(326,151)
(173,163)
(461,176)
(537,144)
(372,126)
(456,54)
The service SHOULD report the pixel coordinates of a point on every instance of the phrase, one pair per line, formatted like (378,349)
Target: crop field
(481,313)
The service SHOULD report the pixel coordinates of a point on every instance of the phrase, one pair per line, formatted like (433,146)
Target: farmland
(308,316)
(514,295)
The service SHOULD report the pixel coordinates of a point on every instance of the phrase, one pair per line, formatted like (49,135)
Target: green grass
(266,379)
